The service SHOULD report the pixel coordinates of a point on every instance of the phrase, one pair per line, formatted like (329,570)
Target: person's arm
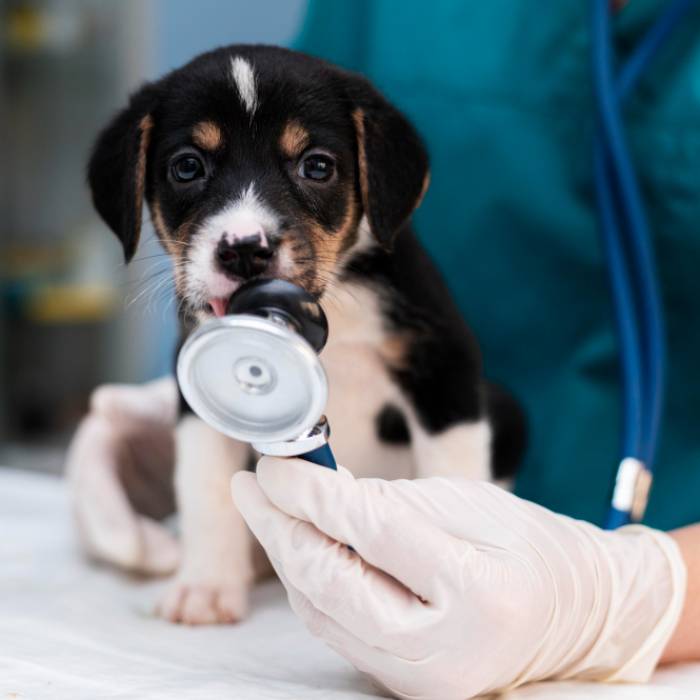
(684,645)
(456,588)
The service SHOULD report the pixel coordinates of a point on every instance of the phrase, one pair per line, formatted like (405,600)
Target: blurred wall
(63,66)
(183,33)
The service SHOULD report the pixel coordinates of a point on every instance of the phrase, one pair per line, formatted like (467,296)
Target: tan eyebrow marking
(295,138)
(145,125)
(358,116)
(207,136)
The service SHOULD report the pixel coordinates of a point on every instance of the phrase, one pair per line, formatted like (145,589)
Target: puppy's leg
(490,447)
(353,413)
(463,449)
(216,572)
(445,408)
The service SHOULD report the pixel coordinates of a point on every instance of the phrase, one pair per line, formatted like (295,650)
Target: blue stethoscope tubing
(323,456)
(627,244)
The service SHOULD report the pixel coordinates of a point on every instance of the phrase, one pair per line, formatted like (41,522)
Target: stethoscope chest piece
(255,375)
(252,379)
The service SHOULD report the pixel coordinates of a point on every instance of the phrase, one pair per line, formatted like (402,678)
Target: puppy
(257,161)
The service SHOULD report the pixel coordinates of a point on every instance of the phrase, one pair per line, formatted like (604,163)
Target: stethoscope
(630,260)
(255,375)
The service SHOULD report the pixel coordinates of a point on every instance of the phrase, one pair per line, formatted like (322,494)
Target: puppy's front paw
(194,603)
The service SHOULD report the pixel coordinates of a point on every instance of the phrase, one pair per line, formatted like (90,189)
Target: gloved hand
(119,467)
(458,588)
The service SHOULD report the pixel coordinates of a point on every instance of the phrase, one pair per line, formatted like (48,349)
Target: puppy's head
(257,162)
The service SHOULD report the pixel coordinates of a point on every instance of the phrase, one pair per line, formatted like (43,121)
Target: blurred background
(68,320)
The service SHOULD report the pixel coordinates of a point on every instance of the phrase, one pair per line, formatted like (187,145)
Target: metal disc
(252,379)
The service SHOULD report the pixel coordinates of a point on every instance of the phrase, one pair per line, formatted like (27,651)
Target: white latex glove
(457,587)
(119,467)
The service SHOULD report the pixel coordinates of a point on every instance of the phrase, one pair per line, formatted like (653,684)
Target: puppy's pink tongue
(218,306)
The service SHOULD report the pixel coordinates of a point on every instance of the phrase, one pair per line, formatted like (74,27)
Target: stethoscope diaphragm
(252,379)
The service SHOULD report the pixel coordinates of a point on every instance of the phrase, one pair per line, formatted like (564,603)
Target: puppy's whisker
(149,289)
(145,281)
(142,258)
(159,294)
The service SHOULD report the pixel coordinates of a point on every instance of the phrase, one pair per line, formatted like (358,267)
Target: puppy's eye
(317,167)
(187,168)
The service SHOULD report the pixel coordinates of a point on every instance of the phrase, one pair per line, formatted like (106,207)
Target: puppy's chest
(357,341)
(360,386)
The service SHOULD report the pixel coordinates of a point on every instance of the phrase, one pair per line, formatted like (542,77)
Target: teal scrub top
(501,92)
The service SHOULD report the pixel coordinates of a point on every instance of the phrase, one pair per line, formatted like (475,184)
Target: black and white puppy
(257,161)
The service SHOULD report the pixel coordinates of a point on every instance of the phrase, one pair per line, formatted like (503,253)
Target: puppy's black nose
(246,257)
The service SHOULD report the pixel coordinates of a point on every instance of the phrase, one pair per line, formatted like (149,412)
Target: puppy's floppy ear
(392,162)
(117,168)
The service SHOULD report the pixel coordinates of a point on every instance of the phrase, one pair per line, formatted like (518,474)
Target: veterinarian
(457,588)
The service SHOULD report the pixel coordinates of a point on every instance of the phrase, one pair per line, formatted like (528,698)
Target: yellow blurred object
(31,27)
(25,27)
(21,262)
(70,304)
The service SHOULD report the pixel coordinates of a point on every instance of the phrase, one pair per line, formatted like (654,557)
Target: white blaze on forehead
(244,78)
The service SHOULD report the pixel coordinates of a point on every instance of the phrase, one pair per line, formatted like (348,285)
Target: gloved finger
(143,546)
(334,633)
(141,420)
(146,471)
(386,668)
(107,526)
(106,521)
(160,549)
(387,533)
(153,402)
(465,508)
(364,600)
(112,533)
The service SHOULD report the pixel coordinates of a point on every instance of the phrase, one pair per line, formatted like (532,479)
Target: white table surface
(70,630)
